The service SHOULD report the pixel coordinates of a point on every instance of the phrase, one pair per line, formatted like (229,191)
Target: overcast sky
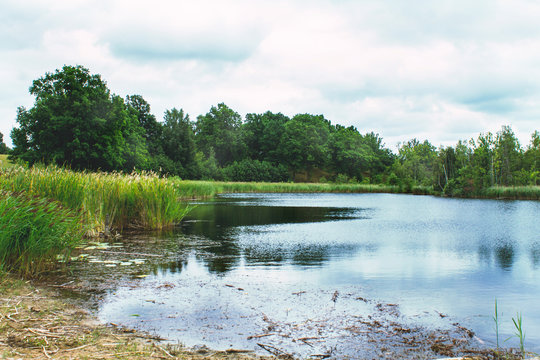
(439,70)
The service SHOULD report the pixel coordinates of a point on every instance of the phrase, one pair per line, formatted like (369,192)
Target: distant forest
(78,123)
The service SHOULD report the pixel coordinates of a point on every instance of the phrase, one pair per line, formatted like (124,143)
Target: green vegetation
(33,231)
(105,201)
(199,188)
(520,334)
(3,147)
(76,122)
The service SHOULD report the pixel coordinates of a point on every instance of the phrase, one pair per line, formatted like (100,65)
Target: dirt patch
(36,323)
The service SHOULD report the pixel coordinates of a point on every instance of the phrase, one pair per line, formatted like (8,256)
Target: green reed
(34,231)
(513,192)
(198,189)
(106,200)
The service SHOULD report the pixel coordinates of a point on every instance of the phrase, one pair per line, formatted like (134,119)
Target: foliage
(75,121)
(105,200)
(3,147)
(255,170)
(34,231)
(220,131)
(304,144)
(262,135)
(177,141)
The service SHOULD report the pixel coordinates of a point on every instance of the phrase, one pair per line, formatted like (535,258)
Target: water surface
(321,265)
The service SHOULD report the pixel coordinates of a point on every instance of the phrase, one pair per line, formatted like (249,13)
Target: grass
(105,200)
(191,189)
(513,192)
(33,231)
(4,162)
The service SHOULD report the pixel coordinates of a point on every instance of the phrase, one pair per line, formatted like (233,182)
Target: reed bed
(34,231)
(197,189)
(105,200)
(513,192)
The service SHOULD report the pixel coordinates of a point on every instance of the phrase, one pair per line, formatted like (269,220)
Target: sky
(444,70)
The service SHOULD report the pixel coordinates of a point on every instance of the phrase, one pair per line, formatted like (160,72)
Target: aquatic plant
(34,231)
(496,320)
(106,200)
(520,334)
(530,192)
(201,189)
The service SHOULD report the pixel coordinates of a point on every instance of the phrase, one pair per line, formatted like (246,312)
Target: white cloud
(442,71)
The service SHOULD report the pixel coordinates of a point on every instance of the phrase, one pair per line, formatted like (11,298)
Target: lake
(335,274)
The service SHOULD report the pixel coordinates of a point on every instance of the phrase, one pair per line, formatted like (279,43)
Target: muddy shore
(38,322)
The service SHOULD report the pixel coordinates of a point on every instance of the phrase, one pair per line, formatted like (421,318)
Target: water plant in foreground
(520,334)
(496,320)
(34,231)
(105,200)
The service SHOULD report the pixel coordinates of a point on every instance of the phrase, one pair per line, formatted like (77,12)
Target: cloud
(442,71)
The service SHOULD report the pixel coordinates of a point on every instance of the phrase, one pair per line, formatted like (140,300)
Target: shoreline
(38,322)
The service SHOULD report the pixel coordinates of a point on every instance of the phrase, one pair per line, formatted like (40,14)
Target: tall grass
(105,200)
(197,189)
(4,162)
(513,192)
(33,231)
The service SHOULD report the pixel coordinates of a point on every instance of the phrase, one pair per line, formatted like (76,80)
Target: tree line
(77,122)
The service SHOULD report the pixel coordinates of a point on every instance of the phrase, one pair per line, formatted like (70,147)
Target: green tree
(304,144)
(76,121)
(349,154)
(152,129)
(507,156)
(178,142)
(3,147)
(262,134)
(220,132)
(531,159)
(418,161)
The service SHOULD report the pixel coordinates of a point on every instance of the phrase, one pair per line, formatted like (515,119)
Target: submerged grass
(34,231)
(105,200)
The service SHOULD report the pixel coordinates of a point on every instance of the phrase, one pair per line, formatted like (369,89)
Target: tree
(178,141)
(262,134)
(349,154)
(76,121)
(3,147)
(531,159)
(418,161)
(220,131)
(152,129)
(507,156)
(304,144)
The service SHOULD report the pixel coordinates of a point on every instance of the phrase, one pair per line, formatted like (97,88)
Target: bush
(255,170)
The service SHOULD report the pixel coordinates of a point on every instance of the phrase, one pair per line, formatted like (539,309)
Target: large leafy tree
(3,146)
(304,144)
(178,141)
(140,108)
(76,121)
(349,154)
(220,132)
(262,133)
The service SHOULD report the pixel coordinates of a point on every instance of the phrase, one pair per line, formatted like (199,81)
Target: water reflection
(452,256)
(505,256)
